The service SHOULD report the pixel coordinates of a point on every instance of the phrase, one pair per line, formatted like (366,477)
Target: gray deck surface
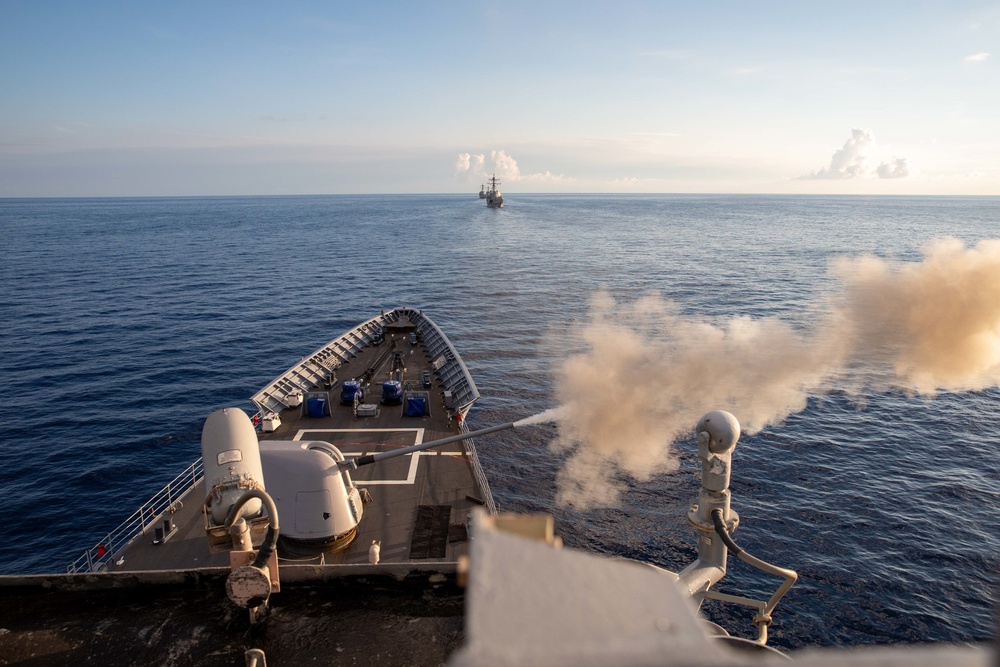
(440,480)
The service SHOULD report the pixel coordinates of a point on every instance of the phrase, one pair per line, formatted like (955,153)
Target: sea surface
(125,322)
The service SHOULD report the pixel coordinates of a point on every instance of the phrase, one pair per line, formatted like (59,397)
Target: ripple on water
(128,321)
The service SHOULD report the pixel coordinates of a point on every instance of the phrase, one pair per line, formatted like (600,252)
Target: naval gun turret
(309,481)
(234,463)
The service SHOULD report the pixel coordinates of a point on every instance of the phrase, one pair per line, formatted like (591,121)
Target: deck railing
(480,474)
(98,556)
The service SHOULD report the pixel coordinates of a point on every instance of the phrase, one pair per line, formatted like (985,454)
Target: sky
(242,98)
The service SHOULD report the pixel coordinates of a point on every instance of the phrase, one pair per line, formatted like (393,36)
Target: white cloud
(853,160)
(977,57)
(895,169)
(469,162)
(504,167)
(626,182)
(850,161)
(547,177)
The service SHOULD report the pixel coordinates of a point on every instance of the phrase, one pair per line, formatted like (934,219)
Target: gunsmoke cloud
(647,372)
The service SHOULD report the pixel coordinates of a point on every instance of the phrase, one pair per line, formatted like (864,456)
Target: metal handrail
(478,473)
(98,556)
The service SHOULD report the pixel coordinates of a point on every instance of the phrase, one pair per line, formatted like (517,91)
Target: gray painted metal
(450,476)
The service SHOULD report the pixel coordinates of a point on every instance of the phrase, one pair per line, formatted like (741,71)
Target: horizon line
(475,197)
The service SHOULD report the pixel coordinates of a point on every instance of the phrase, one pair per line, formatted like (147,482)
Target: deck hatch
(430,531)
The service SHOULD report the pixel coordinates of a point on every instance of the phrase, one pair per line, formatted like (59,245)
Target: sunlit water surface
(127,321)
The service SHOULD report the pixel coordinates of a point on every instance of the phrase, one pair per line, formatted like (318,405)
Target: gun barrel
(372,458)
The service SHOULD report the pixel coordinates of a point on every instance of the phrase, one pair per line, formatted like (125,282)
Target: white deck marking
(418,439)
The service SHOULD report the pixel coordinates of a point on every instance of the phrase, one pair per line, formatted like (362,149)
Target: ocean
(127,321)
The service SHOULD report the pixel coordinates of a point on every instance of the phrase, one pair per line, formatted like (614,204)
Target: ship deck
(417,506)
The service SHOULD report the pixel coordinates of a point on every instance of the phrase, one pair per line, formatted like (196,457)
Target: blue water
(126,321)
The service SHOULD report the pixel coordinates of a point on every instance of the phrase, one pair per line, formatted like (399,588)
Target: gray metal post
(717,434)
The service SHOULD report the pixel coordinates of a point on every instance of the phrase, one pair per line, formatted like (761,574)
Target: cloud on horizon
(855,158)
(474,168)
(466,161)
(895,169)
(977,57)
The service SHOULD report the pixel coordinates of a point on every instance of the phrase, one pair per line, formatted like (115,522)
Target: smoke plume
(935,324)
(647,372)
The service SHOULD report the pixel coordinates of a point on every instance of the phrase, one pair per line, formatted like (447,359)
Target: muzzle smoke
(648,372)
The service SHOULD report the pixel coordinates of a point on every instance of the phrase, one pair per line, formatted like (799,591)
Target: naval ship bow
(386,391)
(362,449)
